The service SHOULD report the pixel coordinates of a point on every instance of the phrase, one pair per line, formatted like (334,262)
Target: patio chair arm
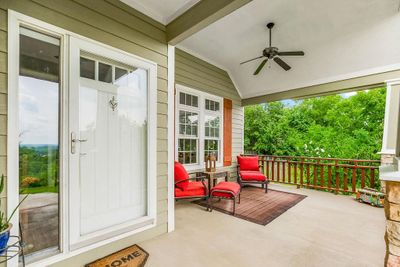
(202,178)
(188,179)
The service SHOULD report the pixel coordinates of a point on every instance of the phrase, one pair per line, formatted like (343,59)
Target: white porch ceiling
(341,39)
(163,11)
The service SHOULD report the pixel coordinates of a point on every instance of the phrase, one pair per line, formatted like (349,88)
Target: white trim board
(171,138)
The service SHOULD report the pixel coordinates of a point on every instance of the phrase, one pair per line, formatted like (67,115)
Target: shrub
(30,182)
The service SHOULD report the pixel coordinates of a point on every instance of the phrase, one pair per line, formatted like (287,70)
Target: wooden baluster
(321,174)
(278,169)
(308,173)
(345,179)
(289,173)
(337,176)
(315,173)
(372,178)
(362,178)
(301,172)
(268,175)
(295,172)
(354,179)
(273,168)
(329,177)
(283,171)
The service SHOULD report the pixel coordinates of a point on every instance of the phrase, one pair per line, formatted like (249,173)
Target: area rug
(256,206)
(133,256)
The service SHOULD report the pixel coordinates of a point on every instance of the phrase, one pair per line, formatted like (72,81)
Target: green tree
(329,126)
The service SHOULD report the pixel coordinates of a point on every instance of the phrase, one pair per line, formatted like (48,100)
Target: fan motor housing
(270,52)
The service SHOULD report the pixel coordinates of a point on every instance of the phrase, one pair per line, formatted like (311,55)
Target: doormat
(133,256)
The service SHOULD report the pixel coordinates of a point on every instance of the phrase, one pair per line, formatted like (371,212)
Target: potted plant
(5,225)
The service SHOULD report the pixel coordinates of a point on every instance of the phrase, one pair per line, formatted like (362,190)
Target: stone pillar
(389,173)
(392,212)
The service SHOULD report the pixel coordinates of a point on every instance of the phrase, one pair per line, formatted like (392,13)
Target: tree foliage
(329,126)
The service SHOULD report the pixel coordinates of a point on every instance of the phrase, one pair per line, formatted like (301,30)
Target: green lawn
(40,189)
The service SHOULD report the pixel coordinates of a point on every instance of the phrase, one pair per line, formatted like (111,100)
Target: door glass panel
(39,105)
(105,73)
(119,73)
(113,123)
(87,68)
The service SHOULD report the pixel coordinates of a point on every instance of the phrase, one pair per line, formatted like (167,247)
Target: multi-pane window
(211,137)
(188,124)
(199,118)
(111,72)
(188,130)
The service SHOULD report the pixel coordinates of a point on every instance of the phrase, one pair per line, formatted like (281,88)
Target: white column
(171,137)
(391,123)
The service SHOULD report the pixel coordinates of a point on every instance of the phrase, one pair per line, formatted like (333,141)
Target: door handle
(74,141)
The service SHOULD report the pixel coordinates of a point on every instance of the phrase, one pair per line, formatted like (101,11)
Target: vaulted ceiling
(341,39)
(163,11)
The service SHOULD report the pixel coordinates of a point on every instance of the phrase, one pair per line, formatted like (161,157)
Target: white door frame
(15,20)
(76,46)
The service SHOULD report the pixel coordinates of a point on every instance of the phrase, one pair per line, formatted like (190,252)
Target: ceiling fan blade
(260,67)
(282,63)
(251,60)
(291,53)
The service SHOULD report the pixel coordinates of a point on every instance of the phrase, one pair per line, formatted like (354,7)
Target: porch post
(390,174)
(391,125)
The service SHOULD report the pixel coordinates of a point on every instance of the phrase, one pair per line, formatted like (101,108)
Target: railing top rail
(319,158)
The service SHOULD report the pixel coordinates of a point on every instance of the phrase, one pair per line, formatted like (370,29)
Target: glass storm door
(108,146)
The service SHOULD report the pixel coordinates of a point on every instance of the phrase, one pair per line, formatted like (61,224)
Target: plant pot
(4,237)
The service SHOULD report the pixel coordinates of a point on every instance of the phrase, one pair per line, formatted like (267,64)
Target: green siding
(115,24)
(198,74)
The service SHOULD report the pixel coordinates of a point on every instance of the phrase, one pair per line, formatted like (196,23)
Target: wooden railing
(331,174)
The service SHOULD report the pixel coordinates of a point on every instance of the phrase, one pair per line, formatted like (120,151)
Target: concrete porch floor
(322,230)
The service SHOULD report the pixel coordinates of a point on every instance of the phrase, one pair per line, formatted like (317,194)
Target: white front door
(109,128)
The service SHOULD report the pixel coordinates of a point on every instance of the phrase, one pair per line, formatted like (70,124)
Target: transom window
(198,125)
(103,70)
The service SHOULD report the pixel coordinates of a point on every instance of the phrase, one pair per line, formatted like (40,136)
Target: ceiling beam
(337,87)
(200,16)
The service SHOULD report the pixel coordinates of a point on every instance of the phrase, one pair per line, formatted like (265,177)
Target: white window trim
(201,128)
(15,21)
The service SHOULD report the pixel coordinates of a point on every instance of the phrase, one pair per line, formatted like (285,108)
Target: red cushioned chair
(250,172)
(184,188)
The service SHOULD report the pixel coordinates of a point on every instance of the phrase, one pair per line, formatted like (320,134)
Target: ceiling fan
(274,54)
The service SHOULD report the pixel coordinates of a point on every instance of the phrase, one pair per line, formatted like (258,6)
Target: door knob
(75,140)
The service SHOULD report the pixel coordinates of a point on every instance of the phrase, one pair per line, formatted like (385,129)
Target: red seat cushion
(252,176)
(180,174)
(192,190)
(248,163)
(232,187)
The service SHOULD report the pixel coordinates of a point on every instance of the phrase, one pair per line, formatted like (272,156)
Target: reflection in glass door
(39,105)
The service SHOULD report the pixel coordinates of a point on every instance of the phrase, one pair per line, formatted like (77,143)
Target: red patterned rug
(256,206)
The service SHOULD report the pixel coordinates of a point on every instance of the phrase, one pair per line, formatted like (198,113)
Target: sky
(291,103)
(38,111)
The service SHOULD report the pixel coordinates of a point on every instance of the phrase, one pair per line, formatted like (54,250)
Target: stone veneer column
(392,235)
(390,174)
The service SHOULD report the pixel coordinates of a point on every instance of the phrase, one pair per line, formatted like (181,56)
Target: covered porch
(179,65)
(321,230)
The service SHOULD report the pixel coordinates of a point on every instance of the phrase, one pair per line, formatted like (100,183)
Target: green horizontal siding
(198,74)
(113,23)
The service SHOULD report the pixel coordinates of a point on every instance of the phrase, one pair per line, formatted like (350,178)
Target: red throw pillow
(249,163)
(181,174)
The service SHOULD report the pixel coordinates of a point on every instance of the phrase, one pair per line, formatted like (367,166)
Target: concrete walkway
(322,230)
